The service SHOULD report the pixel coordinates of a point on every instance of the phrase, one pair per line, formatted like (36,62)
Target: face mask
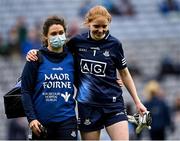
(57,41)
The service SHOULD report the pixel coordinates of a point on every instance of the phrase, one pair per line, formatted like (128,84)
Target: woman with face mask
(47,87)
(98,55)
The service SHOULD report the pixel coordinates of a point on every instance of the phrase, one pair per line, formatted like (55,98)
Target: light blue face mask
(57,41)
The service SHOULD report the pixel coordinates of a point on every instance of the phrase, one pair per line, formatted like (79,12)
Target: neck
(57,50)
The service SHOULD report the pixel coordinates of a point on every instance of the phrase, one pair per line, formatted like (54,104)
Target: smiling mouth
(99,34)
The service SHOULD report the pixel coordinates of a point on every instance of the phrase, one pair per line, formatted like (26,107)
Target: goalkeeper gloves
(141,121)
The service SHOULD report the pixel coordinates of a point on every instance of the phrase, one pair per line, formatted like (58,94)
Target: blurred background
(149,31)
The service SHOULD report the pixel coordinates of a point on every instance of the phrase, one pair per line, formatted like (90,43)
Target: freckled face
(98,28)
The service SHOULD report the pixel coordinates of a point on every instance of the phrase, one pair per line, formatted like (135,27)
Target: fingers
(34,125)
(141,109)
(34,52)
(141,113)
(119,81)
(32,55)
(36,131)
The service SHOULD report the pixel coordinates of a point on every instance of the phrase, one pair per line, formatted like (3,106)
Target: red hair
(95,12)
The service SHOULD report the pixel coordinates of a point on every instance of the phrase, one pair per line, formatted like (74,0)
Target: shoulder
(32,64)
(69,54)
(30,68)
(40,57)
(74,41)
(115,43)
(114,40)
(79,36)
(35,64)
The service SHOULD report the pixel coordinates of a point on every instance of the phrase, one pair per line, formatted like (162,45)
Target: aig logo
(93,67)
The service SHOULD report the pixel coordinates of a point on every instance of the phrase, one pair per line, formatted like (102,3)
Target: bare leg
(118,131)
(94,135)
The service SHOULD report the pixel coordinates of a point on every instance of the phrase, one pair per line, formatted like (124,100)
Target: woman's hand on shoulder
(32,55)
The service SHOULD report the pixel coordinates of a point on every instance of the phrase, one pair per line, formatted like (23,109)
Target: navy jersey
(97,63)
(52,91)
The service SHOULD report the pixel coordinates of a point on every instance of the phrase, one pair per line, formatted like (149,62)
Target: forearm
(28,106)
(129,84)
(27,88)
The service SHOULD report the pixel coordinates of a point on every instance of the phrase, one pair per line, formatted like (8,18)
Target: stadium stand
(147,37)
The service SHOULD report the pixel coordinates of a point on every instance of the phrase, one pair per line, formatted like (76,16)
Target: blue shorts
(91,118)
